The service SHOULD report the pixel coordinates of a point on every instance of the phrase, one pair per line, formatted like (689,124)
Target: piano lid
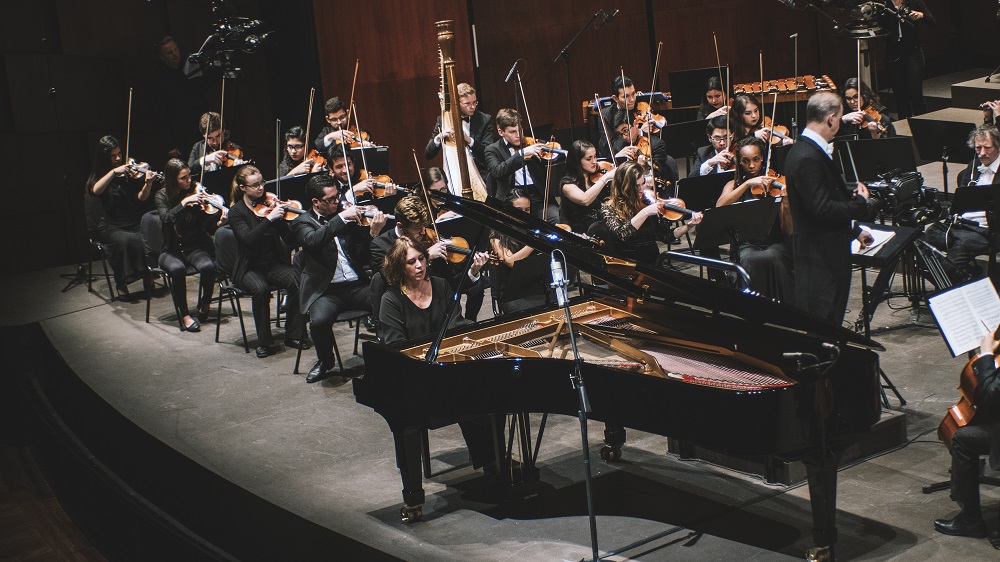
(657,284)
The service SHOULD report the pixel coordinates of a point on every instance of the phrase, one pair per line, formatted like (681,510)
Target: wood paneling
(396,46)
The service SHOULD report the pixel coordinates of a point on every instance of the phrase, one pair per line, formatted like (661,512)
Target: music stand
(733,223)
(221,181)
(683,139)
(874,157)
(687,87)
(463,228)
(942,140)
(377,158)
(528,278)
(292,187)
(701,192)
(778,155)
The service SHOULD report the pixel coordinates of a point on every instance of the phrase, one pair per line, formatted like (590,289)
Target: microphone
(793,36)
(511,73)
(558,280)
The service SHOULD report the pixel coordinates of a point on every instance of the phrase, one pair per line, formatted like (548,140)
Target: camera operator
(904,58)
(967,236)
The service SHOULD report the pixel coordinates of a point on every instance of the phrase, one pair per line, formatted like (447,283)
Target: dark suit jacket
(483,134)
(666,166)
(822,210)
(700,156)
(319,252)
(971,174)
(502,166)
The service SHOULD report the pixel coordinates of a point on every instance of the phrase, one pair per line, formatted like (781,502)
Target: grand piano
(663,352)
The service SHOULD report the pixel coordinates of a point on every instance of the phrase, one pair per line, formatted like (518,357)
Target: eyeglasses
(254,185)
(295,146)
(855,97)
(470,103)
(330,199)
(717,138)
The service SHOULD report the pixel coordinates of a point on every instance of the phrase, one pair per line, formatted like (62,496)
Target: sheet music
(880,238)
(966,313)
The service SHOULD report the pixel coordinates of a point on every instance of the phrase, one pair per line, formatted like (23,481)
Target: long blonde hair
(626,200)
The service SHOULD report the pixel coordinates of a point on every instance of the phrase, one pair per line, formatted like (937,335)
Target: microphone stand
(576,379)
(564,55)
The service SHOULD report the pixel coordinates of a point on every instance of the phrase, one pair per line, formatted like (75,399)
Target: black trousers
(176,266)
(257,282)
(125,252)
(906,76)
(967,445)
(338,297)
(962,244)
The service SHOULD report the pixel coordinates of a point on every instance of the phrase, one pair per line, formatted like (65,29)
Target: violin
(457,247)
(317,158)
(367,212)
(234,154)
(270,201)
(551,150)
(673,208)
(871,115)
(603,167)
(356,139)
(381,182)
(137,170)
(210,204)
(776,188)
(778,132)
(645,115)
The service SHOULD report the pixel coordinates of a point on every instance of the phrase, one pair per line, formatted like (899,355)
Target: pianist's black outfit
(980,437)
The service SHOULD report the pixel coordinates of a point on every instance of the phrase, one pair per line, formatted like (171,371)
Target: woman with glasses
(262,261)
(295,162)
(863,105)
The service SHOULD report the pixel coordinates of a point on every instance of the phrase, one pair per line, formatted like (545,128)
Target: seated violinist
(346,173)
(435,180)
(864,105)
(508,252)
(980,437)
(337,129)
(745,119)
(623,95)
(631,144)
(630,218)
(714,103)
(187,240)
(333,278)
(295,163)
(514,165)
(714,158)
(583,187)
(218,152)
(768,260)
(261,260)
(991,112)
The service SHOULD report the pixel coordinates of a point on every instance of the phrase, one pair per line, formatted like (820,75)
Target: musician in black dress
(714,103)
(767,259)
(581,197)
(980,437)
(507,252)
(262,261)
(122,201)
(856,121)
(904,57)
(187,240)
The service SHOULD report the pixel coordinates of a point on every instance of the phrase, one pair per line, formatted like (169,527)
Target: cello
(963,411)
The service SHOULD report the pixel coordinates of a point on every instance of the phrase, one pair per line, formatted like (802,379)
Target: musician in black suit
(332,278)
(626,140)
(714,157)
(211,154)
(967,236)
(822,211)
(513,164)
(478,128)
(624,97)
(980,437)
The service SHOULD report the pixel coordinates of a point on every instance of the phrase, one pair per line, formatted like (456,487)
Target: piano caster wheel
(818,554)
(611,454)
(411,514)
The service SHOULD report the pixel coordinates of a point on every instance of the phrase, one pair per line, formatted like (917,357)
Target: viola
(210,203)
(270,201)
(137,170)
(367,212)
(603,167)
(550,150)
(673,208)
(356,139)
(778,132)
(380,182)
(458,248)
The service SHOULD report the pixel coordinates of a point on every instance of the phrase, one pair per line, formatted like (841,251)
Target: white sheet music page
(966,313)
(880,237)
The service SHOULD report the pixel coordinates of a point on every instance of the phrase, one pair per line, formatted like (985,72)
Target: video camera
(902,197)
(233,38)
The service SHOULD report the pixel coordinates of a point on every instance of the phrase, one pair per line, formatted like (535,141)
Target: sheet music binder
(748,220)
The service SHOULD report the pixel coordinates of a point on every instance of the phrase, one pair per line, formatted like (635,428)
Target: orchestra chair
(93,212)
(225,258)
(151,230)
(102,252)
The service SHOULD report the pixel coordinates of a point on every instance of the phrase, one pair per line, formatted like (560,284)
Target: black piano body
(674,355)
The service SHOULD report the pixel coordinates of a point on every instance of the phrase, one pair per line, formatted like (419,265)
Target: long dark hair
(626,200)
(101,159)
(295,132)
(740,103)
(869,97)
(574,167)
(171,170)
(713,83)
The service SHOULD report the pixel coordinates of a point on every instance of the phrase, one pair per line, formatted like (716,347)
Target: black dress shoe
(319,372)
(194,327)
(264,351)
(371,324)
(961,526)
(298,344)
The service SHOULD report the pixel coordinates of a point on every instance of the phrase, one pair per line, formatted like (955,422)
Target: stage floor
(311,449)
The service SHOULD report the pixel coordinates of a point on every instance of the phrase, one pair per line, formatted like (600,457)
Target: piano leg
(822,473)
(408,445)
(614,438)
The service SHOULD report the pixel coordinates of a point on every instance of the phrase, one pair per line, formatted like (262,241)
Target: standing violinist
(631,144)
(187,240)
(515,165)
(122,200)
(624,97)
(714,102)
(767,259)
(262,261)
(904,58)
(478,128)
(715,157)
(860,120)
(295,163)
(581,194)
(980,437)
(211,155)
(337,129)
(333,278)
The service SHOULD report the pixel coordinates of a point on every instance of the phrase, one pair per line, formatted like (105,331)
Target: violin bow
(762,75)
(604,126)
(128,126)
(423,189)
(548,182)
(364,160)
(649,112)
(859,75)
(277,157)
(354,82)
(774,111)
(531,129)
(309,118)
(718,63)
(631,123)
